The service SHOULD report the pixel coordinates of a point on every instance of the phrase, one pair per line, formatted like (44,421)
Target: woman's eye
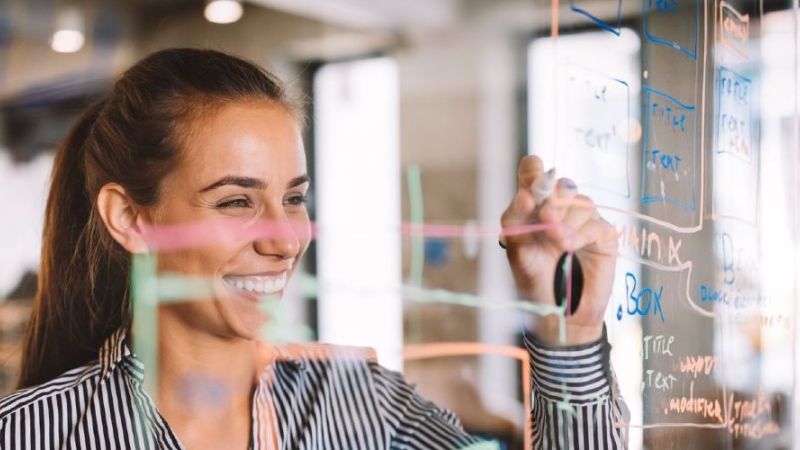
(297,200)
(235,203)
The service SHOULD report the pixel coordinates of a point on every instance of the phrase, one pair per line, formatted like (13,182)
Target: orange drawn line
(554,19)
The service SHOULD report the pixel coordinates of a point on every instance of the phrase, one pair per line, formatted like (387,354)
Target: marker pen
(543,188)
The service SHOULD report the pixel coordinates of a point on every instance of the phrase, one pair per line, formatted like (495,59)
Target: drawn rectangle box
(662,32)
(585,8)
(734,128)
(735,180)
(598,119)
(669,150)
(734,29)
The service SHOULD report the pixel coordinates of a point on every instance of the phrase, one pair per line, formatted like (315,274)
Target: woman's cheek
(302,229)
(181,261)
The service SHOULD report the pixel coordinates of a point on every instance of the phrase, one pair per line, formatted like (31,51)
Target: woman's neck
(205,382)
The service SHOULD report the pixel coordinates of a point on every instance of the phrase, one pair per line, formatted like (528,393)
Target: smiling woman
(198,136)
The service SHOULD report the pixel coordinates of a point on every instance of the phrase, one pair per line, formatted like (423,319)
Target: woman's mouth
(257,284)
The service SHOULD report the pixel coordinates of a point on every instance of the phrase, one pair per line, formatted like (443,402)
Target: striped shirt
(314,401)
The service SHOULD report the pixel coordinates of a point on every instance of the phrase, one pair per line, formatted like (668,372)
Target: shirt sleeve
(575,399)
(575,405)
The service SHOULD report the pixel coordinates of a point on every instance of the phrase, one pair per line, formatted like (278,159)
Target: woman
(191,136)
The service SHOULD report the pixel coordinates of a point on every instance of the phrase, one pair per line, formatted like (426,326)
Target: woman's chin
(249,326)
(247,313)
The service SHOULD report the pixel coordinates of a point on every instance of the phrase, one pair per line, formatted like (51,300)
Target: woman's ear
(121,217)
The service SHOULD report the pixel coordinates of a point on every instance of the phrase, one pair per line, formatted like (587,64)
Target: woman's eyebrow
(297,181)
(245,182)
(252,183)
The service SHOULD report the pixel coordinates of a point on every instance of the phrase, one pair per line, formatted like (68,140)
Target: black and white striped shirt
(343,402)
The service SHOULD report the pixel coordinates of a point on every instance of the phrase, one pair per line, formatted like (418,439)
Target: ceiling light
(67,41)
(68,37)
(223,11)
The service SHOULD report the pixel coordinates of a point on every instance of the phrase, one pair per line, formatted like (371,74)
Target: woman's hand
(577,226)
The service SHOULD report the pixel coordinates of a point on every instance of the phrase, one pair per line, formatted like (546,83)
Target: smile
(257,284)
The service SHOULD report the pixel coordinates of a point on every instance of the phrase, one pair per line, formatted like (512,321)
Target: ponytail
(57,337)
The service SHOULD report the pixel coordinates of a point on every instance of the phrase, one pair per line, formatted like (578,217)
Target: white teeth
(258,284)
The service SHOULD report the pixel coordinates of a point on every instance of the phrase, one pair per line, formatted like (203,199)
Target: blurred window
(357,163)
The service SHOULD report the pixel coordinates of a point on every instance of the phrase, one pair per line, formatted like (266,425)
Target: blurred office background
(428,103)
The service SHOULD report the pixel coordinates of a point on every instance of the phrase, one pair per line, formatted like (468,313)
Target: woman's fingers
(595,235)
(578,222)
(573,218)
(606,240)
(520,210)
(555,209)
(529,168)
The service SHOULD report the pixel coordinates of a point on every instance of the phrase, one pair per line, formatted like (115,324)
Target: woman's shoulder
(67,384)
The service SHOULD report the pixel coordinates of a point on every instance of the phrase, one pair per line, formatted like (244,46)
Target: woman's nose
(278,237)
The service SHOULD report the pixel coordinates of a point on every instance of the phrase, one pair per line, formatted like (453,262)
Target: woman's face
(244,163)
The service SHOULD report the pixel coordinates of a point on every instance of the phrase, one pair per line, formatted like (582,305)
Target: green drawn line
(417,265)
(179,287)
(278,329)
(175,288)
(144,295)
(474,301)
(491,445)
(417,212)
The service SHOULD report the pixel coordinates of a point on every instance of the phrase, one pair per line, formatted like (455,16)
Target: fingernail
(569,184)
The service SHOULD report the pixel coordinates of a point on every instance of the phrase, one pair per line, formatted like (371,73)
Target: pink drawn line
(197,234)
(460,231)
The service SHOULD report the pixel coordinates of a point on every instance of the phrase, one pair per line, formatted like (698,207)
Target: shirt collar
(116,352)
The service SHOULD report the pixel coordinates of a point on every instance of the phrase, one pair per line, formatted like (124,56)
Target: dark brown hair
(132,137)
